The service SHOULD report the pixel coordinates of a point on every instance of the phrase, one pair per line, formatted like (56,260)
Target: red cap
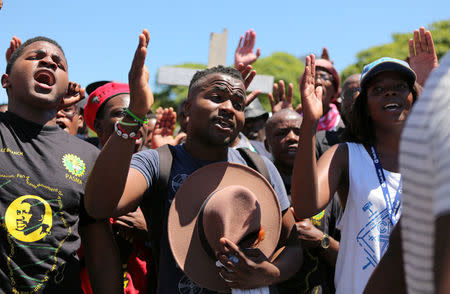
(100,96)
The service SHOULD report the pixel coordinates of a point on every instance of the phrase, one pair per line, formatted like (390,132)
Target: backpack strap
(154,206)
(165,154)
(255,161)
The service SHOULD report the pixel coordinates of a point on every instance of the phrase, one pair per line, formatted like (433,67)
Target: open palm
(244,52)
(278,99)
(311,95)
(164,128)
(423,59)
(141,96)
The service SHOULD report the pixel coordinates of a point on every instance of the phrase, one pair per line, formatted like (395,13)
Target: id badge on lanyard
(393,208)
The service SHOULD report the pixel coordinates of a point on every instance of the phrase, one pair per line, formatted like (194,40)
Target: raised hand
(141,96)
(244,51)
(248,74)
(13,45)
(279,100)
(311,95)
(252,96)
(164,127)
(423,59)
(74,94)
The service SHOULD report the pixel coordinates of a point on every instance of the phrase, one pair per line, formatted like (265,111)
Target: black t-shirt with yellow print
(43,171)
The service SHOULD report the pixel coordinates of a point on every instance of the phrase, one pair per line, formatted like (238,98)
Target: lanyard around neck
(393,208)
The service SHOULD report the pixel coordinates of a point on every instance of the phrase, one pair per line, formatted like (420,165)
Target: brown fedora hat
(221,200)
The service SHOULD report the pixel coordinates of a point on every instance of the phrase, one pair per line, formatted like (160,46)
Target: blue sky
(99,37)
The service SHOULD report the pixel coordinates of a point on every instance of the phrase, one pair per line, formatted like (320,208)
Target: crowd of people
(345,193)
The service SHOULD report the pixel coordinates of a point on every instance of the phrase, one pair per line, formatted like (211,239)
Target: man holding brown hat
(210,220)
(215,107)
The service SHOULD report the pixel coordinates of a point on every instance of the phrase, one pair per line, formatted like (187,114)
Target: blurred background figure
(255,121)
(349,92)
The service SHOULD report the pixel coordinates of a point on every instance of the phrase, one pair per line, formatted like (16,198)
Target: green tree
(282,66)
(399,47)
(171,96)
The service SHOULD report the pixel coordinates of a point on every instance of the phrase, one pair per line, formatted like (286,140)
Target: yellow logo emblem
(317,219)
(74,164)
(29,218)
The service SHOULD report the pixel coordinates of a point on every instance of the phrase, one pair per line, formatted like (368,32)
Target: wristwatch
(325,241)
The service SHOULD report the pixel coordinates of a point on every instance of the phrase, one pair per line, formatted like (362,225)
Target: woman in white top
(364,172)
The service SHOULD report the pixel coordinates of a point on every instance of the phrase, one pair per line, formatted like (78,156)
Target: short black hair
(19,51)
(231,71)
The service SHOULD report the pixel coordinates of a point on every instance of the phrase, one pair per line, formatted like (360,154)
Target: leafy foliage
(399,47)
(282,66)
(171,96)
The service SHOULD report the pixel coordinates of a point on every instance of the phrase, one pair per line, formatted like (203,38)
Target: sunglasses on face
(324,76)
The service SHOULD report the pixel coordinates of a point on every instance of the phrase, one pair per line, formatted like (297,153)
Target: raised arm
(243,58)
(165,125)
(313,185)
(279,100)
(248,74)
(422,55)
(74,95)
(244,51)
(13,45)
(113,188)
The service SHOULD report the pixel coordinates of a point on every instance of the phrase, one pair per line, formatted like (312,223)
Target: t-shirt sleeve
(277,184)
(147,163)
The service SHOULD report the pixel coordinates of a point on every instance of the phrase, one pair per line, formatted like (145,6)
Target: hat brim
(388,66)
(183,214)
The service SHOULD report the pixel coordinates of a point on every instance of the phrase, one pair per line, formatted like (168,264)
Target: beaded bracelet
(124,134)
(137,119)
